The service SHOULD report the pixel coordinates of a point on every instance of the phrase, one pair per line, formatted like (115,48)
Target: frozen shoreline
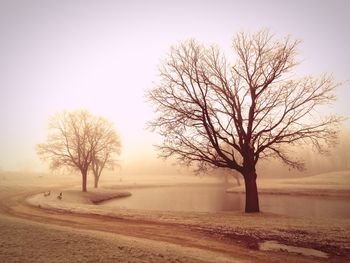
(335,184)
(302,232)
(75,200)
(331,236)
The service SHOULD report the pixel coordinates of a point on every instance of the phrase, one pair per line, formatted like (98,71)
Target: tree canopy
(77,139)
(213,113)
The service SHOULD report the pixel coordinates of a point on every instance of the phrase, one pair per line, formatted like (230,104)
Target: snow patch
(275,246)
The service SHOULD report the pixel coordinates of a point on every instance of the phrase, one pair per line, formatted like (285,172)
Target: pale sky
(102,55)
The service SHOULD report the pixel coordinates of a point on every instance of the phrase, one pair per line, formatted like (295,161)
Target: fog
(337,158)
(148,164)
(102,56)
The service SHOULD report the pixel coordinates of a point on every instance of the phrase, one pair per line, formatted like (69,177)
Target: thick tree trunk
(251,193)
(84,180)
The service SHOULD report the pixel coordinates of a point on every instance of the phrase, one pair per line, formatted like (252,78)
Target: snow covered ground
(327,184)
(24,241)
(329,236)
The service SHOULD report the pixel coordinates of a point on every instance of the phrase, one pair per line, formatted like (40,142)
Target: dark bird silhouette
(59,196)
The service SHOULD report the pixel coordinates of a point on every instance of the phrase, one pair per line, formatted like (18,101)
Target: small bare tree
(212,113)
(108,147)
(75,140)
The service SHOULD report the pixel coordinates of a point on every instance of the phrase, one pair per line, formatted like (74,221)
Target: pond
(213,198)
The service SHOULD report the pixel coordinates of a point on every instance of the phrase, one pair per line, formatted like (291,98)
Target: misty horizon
(174,131)
(103,58)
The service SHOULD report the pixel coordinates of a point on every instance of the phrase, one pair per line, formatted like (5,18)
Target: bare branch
(211,113)
(79,140)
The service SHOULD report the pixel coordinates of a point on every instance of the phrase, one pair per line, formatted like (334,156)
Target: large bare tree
(75,140)
(212,113)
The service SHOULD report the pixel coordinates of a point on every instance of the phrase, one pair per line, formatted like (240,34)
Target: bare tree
(73,141)
(108,147)
(211,113)
(235,175)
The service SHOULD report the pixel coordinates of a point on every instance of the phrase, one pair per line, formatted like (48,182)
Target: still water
(206,198)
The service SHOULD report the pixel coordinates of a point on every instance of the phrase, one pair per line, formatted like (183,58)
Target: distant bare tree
(211,113)
(75,140)
(235,175)
(108,147)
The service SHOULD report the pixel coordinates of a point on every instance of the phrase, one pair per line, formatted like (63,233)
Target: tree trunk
(84,180)
(251,193)
(96,181)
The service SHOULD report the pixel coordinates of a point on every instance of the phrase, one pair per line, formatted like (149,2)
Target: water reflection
(214,199)
(306,206)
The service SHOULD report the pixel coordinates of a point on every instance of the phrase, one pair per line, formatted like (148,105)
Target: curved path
(186,244)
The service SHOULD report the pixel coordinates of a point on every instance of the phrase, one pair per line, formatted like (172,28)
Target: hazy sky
(102,55)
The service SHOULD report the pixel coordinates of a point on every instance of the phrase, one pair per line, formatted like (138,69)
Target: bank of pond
(214,198)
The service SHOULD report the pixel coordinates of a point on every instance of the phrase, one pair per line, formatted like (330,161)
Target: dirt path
(25,241)
(190,244)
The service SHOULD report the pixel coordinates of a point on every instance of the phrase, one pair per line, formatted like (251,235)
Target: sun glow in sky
(102,55)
